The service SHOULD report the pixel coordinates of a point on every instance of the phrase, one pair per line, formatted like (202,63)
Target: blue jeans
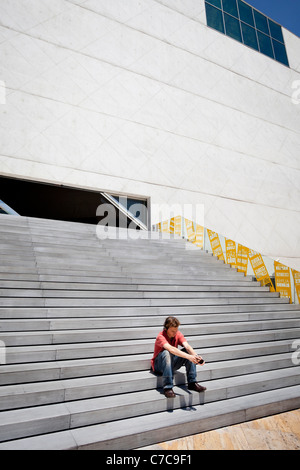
(166,364)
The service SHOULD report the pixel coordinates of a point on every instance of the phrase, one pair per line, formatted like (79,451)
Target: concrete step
(75,368)
(56,336)
(40,245)
(266,311)
(206,286)
(9,222)
(9,245)
(110,233)
(50,233)
(86,244)
(105,277)
(177,269)
(101,269)
(45,352)
(133,433)
(94,260)
(171,302)
(44,320)
(73,414)
(49,226)
(127,373)
(122,249)
(107,318)
(183,256)
(16,236)
(113,270)
(154,254)
(134,294)
(18,254)
(148,251)
(39,235)
(115,267)
(79,315)
(208,346)
(71,323)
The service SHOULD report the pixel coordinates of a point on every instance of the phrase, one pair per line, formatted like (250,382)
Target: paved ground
(278,432)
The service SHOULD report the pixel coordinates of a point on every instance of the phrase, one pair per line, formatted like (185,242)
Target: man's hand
(200,360)
(194,358)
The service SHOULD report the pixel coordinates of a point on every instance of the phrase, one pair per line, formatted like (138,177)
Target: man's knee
(166,356)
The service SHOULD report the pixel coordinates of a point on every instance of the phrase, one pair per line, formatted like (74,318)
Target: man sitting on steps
(167,357)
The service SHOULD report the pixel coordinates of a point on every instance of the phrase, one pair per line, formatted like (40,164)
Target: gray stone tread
(116,272)
(206,340)
(135,302)
(205,286)
(79,315)
(144,430)
(266,311)
(63,327)
(123,294)
(16,423)
(41,393)
(70,323)
(123,278)
(144,349)
(36,372)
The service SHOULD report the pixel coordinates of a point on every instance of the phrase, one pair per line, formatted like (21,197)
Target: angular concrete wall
(141,97)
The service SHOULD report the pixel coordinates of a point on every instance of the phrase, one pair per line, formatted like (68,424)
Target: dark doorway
(49,201)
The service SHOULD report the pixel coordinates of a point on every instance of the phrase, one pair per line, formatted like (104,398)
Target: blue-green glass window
(232,27)
(230,7)
(265,44)
(249,36)
(246,13)
(240,21)
(280,52)
(214,18)
(275,30)
(216,3)
(261,22)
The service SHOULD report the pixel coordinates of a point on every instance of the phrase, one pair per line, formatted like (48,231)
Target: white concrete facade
(141,97)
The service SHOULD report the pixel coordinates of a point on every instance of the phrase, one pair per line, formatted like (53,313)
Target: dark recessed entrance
(49,201)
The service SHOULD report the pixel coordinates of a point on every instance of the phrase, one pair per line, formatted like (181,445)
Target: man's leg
(190,368)
(191,373)
(164,365)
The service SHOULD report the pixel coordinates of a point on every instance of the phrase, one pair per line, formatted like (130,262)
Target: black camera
(201,361)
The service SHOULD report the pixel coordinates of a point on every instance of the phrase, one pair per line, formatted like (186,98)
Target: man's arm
(177,352)
(191,351)
(189,348)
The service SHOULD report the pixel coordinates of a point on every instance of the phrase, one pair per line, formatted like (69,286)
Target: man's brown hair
(171,322)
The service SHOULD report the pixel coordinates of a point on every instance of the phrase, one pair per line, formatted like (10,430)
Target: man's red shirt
(163,338)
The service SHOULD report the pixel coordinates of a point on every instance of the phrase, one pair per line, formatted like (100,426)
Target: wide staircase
(79,314)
